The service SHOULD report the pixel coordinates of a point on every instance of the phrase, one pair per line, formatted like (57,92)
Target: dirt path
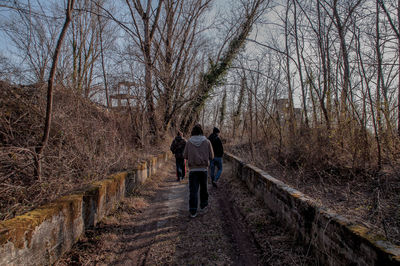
(153,227)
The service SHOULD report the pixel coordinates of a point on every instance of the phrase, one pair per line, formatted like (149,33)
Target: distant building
(282,110)
(298,114)
(121,94)
(281,105)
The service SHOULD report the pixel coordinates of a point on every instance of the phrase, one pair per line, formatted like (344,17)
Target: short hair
(179,133)
(216,130)
(197,130)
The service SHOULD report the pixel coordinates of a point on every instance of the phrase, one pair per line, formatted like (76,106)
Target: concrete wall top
(41,236)
(316,224)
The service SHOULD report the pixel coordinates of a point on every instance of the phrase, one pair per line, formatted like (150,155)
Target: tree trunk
(217,71)
(379,75)
(292,121)
(237,112)
(374,122)
(398,89)
(222,110)
(102,63)
(49,108)
(299,66)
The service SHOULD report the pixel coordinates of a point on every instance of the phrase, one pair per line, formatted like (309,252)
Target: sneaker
(204,210)
(193,215)
(214,184)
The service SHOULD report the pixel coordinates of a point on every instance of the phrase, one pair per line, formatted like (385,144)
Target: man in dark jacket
(218,153)
(177,148)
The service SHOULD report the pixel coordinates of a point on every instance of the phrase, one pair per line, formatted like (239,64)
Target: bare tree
(42,145)
(86,45)
(367,78)
(178,45)
(222,110)
(341,25)
(238,110)
(33,33)
(103,68)
(289,74)
(299,63)
(143,34)
(218,70)
(396,30)
(8,71)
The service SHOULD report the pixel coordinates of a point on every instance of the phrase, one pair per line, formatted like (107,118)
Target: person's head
(216,130)
(179,133)
(197,130)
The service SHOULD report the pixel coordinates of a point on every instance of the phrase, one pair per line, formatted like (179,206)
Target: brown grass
(341,176)
(87,142)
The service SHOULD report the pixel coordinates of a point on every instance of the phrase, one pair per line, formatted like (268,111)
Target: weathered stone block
(130,182)
(41,236)
(141,172)
(332,238)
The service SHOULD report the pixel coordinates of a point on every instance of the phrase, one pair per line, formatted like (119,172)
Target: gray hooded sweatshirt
(198,152)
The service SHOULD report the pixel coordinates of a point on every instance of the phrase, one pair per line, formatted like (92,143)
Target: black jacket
(178,146)
(217,145)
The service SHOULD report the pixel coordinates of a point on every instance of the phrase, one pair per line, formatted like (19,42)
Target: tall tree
(103,67)
(222,110)
(143,34)
(33,34)
(299,63)
(341,25)
(217,71)
(179,41)
(292,121)
(238,110)
(396,30)
(49,108)
(85,45)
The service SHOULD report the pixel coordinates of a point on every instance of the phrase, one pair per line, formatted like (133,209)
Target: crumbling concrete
(332,238)
(41,236)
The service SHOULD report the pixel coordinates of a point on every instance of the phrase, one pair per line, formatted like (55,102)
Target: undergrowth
(87,142)
(341,176)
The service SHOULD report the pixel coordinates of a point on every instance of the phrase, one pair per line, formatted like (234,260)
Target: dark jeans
(216,162)
(197,179)
(180,168)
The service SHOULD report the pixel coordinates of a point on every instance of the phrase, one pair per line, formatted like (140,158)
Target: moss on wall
(66,216)
(19,230)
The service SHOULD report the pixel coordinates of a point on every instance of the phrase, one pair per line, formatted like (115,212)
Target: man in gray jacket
(198,152)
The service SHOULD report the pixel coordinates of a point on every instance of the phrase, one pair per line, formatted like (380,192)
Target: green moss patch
(19,230)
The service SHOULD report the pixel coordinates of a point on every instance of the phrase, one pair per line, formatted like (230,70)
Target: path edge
(332,238)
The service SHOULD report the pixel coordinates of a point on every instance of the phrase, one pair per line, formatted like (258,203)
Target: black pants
(197,179)
(180,168)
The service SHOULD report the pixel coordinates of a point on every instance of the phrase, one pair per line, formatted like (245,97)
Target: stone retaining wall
(332,238)
(41,236)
